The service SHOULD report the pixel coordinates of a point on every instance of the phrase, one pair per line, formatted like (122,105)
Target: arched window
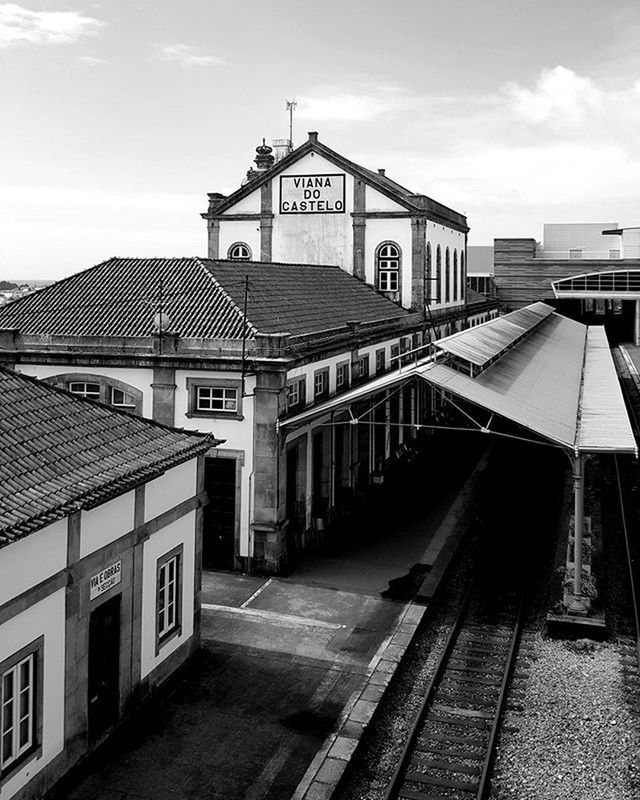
(447,276)
(388,267)
(438,274)
(427,273)
(239,252)
(463,276)
(109,391)
(455,274)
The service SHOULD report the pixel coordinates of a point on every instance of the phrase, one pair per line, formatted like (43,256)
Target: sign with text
(106,579)
(312,194)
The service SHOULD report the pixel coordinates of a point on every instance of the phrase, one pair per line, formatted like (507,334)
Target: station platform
(291,668)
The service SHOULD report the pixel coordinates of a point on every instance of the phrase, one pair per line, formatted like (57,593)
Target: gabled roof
(412,201)
(203,298)
(60,453)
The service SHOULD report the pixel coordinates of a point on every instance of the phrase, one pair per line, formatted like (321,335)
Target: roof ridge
(273,263)
(225,293)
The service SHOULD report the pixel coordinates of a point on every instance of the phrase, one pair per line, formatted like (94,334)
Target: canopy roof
(557,381)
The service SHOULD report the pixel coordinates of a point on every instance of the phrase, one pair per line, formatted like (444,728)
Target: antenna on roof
(291,106)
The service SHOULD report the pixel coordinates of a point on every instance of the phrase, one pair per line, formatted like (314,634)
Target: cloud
(334,104)
(19,25)
(186,55)
(560,98)
(92,60)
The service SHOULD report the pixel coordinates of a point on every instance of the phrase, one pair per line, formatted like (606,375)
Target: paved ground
(281,657)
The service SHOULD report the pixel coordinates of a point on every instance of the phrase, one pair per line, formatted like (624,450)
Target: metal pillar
(636,325)
(578,604)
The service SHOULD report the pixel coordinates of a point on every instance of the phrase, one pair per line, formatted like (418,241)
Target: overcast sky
(119,116)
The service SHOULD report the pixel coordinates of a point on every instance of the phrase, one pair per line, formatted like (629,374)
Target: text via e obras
(105,579)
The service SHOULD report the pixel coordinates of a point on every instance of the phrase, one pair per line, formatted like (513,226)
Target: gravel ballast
(577,737)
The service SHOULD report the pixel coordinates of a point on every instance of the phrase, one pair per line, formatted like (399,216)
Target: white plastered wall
(46,618)
(393,230)
(314,238)
(107,522)
(247,231)
(45,554)
(454,240)
(170,489)
(182,531)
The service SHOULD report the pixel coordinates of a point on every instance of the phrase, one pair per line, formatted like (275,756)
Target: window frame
(34,651)
(194,384)
(300,384)
(345,367)
(438,274)
(388,271)
(381,361)
(356,379)
(447,276)
(86,394)
(323,376)
(455,275)
(106,384)
(231,247)
(176,554)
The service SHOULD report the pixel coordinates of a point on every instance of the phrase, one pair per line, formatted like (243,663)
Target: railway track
(450,747)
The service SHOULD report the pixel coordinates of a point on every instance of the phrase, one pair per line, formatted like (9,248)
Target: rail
(477,659)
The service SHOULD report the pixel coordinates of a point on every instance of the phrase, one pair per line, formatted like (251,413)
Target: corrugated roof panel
(604,424)
(483,343)
(536,384)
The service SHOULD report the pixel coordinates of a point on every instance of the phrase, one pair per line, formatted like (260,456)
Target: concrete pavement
(290,668)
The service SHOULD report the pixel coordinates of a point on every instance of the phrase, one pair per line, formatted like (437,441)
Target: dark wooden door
(219,519)
(104,667)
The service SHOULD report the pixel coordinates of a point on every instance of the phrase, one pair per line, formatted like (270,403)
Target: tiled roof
(301,298)
(203,298)
(60,453)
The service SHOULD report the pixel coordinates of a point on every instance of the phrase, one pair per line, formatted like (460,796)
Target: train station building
(100,578)
(233,346)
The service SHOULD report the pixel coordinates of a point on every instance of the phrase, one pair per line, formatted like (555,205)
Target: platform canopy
(557,380)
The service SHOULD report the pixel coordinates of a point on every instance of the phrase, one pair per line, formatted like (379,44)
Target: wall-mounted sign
(105,579)
(312,194)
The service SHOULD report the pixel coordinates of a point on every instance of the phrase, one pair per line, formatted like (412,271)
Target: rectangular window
(213,398)
(321,383)
(361,369)
(575,253)
(88,390)
(380,361)
(20,706)
(169,596)
(395,353)
(614,254)
(296,391)
(388,280)
(121,399)
(342,376)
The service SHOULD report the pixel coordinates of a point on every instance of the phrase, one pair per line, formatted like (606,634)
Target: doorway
(219,518)
(104,668)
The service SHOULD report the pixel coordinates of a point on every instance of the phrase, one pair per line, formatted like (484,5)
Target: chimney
(381,171)
(313,137)
(282,148)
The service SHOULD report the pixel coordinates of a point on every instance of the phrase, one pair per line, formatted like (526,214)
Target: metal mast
(291,107)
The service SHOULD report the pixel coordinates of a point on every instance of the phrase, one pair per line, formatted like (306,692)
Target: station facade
(100,538)
(233,346)
(314,206)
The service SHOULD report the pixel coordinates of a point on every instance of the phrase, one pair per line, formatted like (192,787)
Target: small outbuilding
(100,572)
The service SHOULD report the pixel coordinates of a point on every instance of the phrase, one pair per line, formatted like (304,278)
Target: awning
(559,382)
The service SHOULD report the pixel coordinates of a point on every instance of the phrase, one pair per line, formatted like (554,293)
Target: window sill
(168,637)
(213,415)
(25,759)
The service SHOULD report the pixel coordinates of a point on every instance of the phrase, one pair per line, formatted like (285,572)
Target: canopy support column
(636,325)
(578,604)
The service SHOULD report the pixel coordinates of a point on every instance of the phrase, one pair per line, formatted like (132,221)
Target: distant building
(526,271)
(480,270)
(100,540)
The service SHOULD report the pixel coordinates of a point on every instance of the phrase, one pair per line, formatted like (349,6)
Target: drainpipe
(636,325)
(578,604)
